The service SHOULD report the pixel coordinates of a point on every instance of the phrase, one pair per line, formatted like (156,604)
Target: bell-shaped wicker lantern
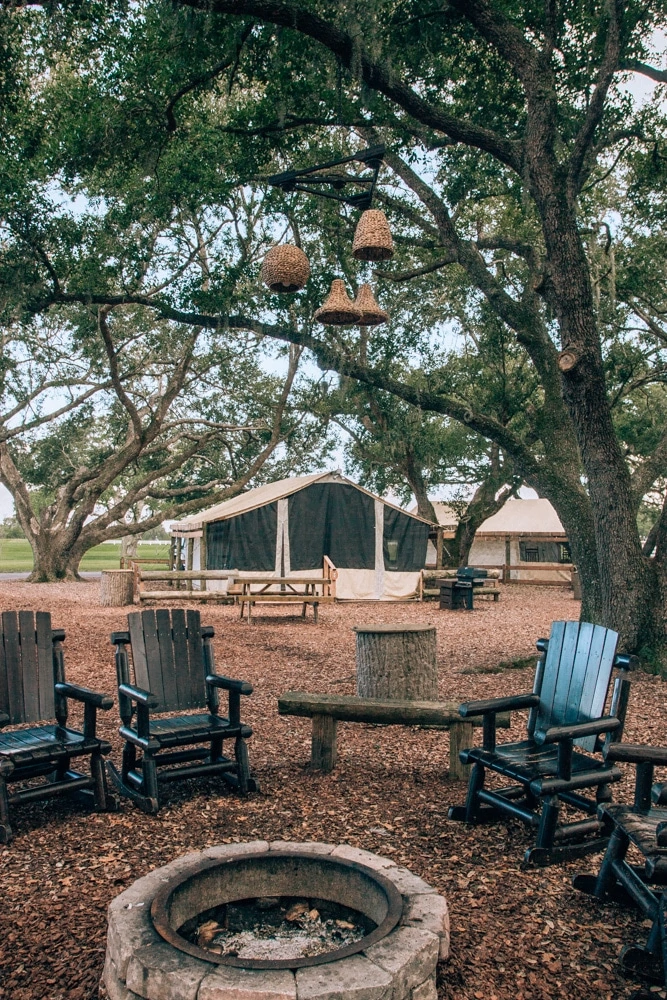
(372,237)
(371,313)
(339,309)
(285,268)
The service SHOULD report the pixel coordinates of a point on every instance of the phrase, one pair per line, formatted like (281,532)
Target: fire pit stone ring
(142,964)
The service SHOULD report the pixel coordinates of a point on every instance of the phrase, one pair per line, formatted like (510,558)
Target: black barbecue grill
(458,592)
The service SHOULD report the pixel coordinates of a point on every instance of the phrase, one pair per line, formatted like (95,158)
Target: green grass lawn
(16,555)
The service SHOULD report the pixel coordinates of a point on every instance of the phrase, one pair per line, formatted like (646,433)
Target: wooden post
(190,557)
(323,749)
(460,737)
(508,556)
(202,555)
(438,548)
(117,588)
(397,661)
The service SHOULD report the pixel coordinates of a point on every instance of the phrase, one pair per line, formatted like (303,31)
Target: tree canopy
(524,185)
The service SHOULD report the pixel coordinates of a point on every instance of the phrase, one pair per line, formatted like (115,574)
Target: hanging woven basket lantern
(285,268)
(372,237)
(339,309)
(371,313)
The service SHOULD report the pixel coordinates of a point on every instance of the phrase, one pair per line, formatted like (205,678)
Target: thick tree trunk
(415,477)
(53,560)
(483,505)
(628,596)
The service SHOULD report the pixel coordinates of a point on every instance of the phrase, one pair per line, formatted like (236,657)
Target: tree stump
(117,588)
(397,661)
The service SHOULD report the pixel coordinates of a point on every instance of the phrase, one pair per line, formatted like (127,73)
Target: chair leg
(546,831)
(149,772)
(104,801)
(241,755)
(616,851)
(129,760)
(470,811)
(5,828)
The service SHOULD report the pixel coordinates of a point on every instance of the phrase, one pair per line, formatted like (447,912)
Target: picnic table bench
(326,710)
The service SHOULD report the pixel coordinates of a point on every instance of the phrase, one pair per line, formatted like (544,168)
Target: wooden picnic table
(288,593)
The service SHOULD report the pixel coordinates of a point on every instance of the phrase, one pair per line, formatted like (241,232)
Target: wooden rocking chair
(644,825)
(172,659)
(566,706)
(33,689)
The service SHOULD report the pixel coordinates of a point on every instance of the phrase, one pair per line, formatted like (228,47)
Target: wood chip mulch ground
(519,934)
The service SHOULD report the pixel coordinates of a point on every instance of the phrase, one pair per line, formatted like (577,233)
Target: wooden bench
(176,579)
(326,710)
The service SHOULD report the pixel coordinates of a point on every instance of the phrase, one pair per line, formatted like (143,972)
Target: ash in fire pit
(273,927)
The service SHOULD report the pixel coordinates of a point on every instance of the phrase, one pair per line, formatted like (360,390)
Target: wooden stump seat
(326,710)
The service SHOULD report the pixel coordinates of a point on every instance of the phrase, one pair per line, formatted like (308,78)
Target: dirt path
(524,935)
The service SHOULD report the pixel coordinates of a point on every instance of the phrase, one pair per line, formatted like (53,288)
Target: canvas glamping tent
(287,528)
(525,540)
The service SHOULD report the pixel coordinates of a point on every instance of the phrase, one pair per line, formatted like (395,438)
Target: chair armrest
(138,694)
(4,718)
(120,638)
(228,684)
(6,768)
(633,753)
(103,701)
(607,724)
(207,632)
(626,661)
(494,705)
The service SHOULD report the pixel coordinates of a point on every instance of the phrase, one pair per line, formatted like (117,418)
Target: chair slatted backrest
(168,657)
(577,672)
(27,674)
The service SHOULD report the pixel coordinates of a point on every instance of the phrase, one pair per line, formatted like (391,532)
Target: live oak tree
(102,441)
(521,178)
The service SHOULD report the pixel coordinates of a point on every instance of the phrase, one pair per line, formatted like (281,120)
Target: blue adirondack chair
(561,755)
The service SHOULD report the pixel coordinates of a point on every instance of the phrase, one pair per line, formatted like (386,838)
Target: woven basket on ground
(371,313)
(372,237)
(285,268)
(339,309)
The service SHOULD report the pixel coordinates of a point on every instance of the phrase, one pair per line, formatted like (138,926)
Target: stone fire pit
(152,952)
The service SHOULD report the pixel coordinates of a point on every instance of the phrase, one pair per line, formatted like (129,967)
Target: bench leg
(323,750)
(460,737)
(315,607)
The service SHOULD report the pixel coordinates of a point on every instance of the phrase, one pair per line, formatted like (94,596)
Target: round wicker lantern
(372,237)
(339,309)
(371,313)
(285,268)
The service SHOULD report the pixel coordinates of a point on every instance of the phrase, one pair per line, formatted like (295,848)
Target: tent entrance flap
(404,541)
(334,520)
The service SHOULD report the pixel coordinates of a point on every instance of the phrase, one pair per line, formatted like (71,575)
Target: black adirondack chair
(172,660)
(566,710)
(643,825)
(33,689)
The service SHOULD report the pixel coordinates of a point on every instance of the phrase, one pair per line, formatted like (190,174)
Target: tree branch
(377,76)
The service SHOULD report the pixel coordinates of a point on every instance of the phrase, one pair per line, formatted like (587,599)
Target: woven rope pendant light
(339,309)
(371,313)
(372,237)
(285,268)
